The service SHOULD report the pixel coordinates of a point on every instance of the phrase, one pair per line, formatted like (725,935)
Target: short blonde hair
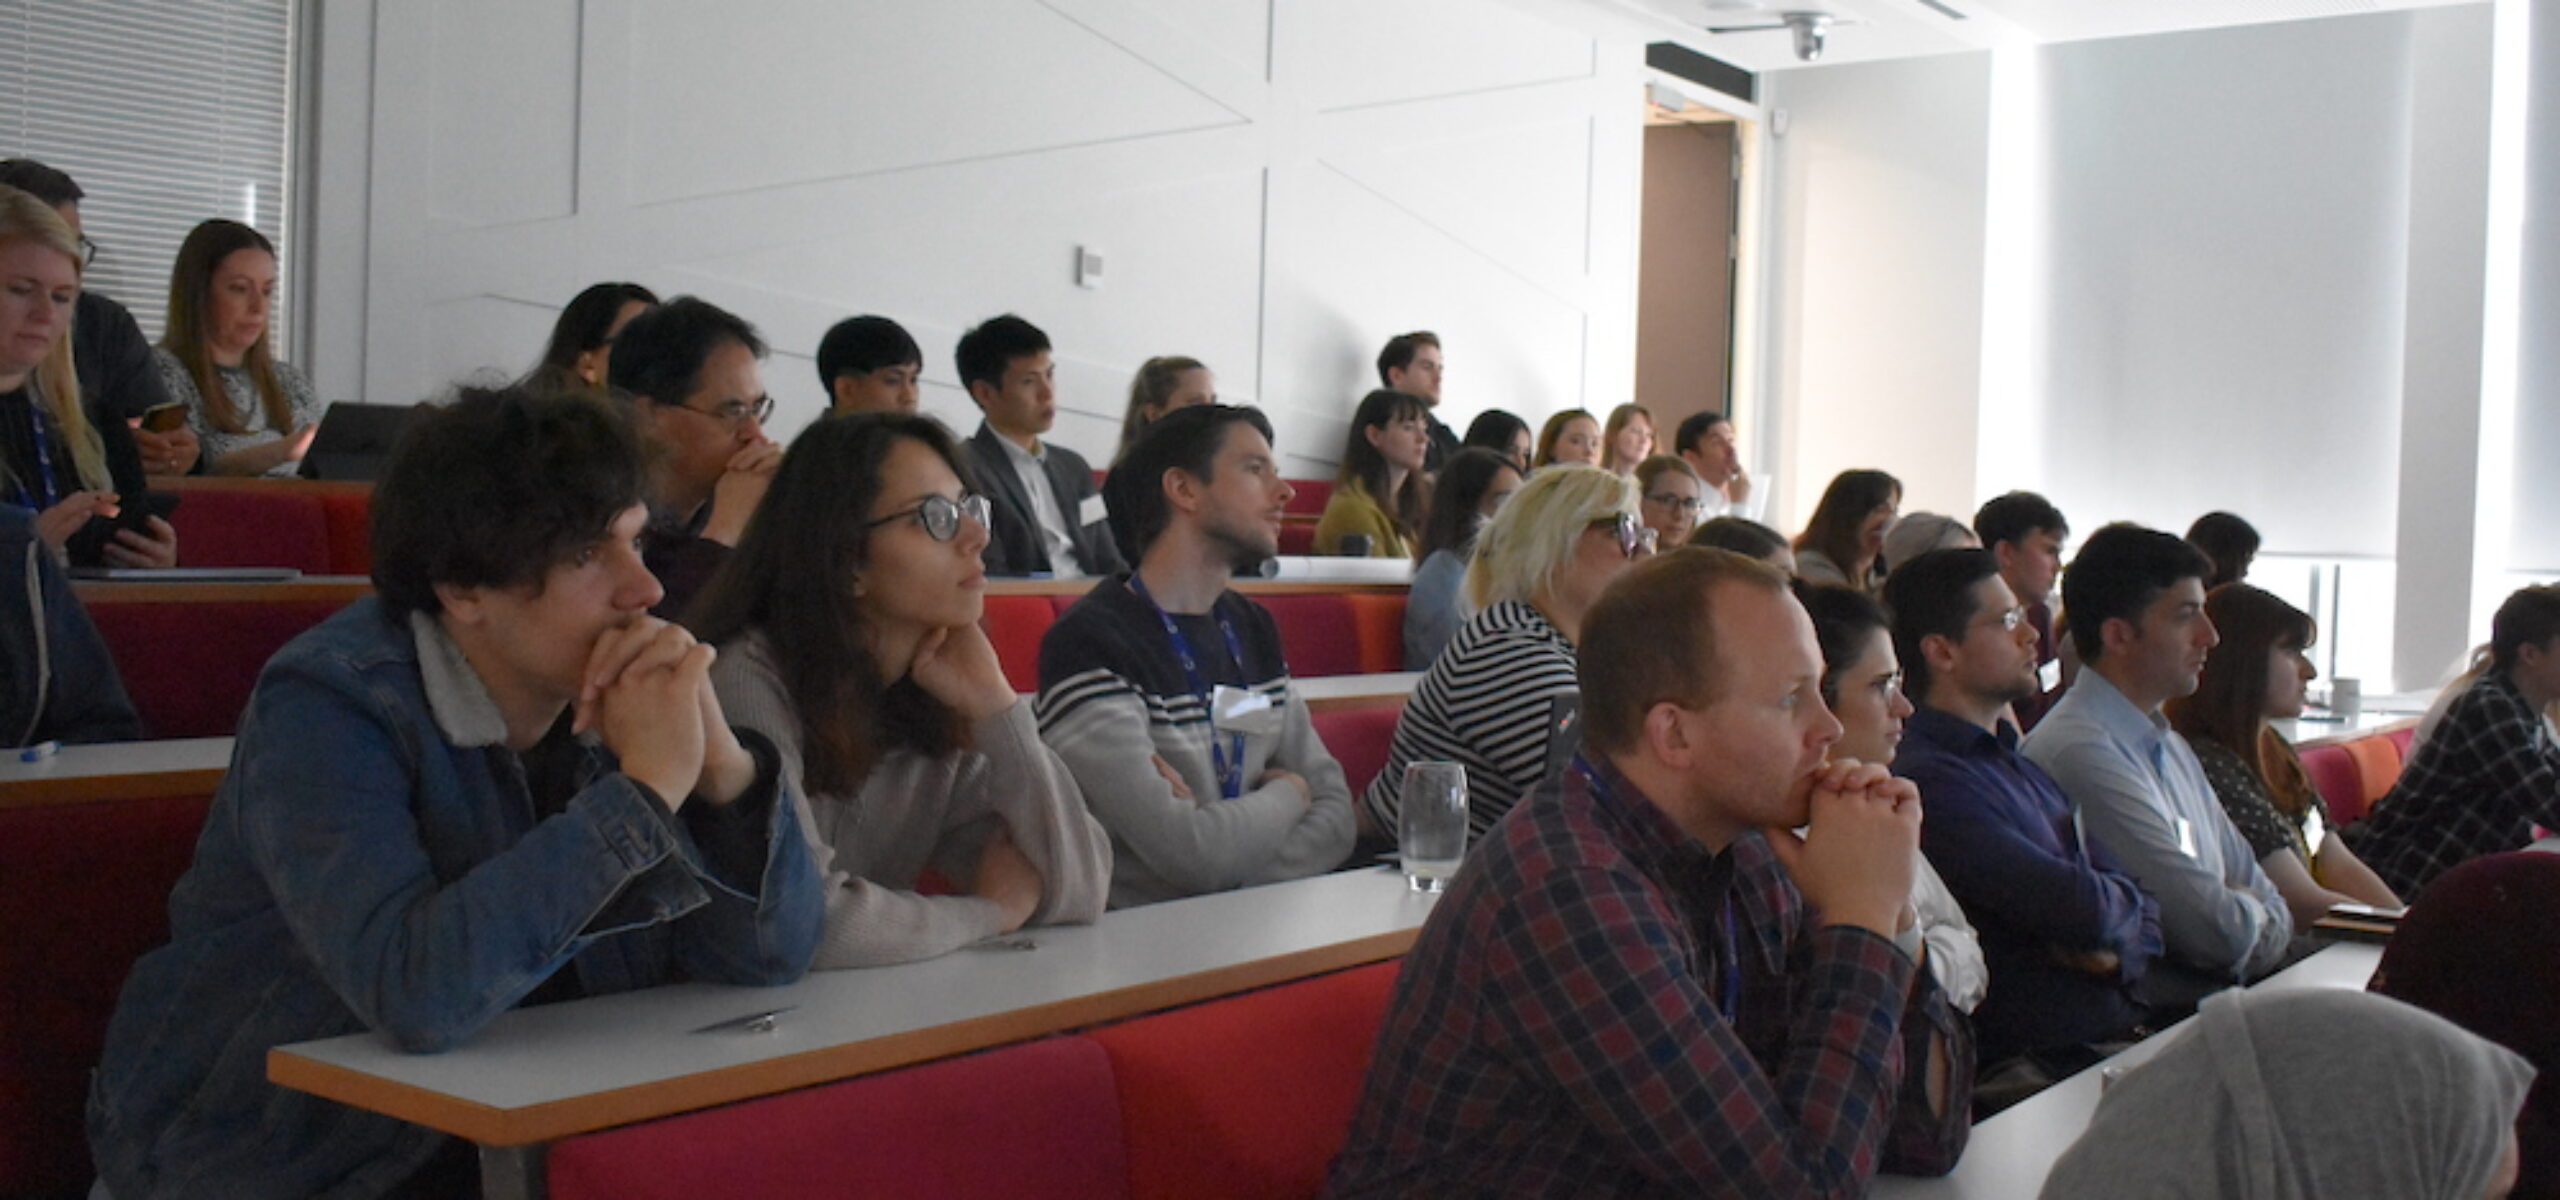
(1532,536)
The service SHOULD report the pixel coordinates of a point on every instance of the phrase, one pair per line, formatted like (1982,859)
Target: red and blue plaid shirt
(1560,1027)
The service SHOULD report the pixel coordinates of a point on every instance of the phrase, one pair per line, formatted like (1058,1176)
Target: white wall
(1277,188)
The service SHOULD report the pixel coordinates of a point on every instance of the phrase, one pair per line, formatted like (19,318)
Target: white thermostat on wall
(1088,267)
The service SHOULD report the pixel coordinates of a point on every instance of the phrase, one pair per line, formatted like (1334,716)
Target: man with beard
(1166,692)
(2066,933)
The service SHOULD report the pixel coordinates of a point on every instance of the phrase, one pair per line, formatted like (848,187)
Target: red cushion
(1298,537)
(2401,737)
(190,666)
(2334,772)
(1309,495)
(1358,737)
(2377,762)
(1378,621)
(1317,633)
(1249,1096)
(223,528)
(84,891)
(1014,624)
(1035,1119)
(349,515)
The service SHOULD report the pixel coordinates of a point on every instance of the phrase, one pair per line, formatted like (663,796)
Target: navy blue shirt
(2000,832)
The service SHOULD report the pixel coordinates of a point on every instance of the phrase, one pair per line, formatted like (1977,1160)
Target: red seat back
(2334,773)
(1298,538)
(1014,625)
(1309,495)
(84,891)
(190,666)
(2377,762)
(1250,1096)
(349,515)
(224,528)
(2402,737)
(1358,737)
(1317,633)
(1035,1119)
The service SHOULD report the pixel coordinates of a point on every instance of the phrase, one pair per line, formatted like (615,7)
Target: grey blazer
(1014,544)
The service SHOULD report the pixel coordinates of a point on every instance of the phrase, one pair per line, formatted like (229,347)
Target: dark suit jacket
(1014,544)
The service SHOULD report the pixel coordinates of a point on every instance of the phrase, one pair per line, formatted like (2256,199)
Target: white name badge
(1236,710)
(1092,510)
(2186,837)
(2049,676)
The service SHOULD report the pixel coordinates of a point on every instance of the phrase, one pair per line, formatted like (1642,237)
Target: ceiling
(1870,30)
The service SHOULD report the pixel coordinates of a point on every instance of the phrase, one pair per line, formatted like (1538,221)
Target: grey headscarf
(2297,1095)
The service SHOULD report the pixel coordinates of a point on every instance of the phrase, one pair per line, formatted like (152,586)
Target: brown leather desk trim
(331,590)
(108,788)
(603,1110)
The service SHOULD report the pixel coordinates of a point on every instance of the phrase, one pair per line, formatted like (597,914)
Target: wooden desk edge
(91,789)
(557,1119)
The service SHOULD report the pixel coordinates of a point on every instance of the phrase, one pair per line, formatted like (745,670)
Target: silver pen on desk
(757,1022)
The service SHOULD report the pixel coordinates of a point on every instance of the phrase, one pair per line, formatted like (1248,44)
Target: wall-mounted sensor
(1088,267)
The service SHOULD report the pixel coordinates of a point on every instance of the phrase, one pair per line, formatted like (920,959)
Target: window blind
(167,114)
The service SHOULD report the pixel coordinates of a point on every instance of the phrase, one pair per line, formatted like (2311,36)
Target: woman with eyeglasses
(2261,672)
(1862,682)
(1673,497)
(847,625)
(1539,563)
(254,413)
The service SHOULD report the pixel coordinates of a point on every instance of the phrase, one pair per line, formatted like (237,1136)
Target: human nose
(750,430)
(1901,706)
(973,535)
(1287,492)
(2212,637)
(1826,730)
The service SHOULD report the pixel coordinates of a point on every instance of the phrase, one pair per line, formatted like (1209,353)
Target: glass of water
(1431,823)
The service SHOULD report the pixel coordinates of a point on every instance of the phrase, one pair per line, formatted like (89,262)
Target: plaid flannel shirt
(2478,785)
(1561,1027)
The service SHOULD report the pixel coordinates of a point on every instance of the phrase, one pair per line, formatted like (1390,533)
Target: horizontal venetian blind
(167,114)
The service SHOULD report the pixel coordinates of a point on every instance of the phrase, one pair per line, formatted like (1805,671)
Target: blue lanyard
(1732,966)
(1227,759)
(44,460)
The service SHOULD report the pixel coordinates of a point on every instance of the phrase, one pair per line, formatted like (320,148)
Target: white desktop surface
(542,1073)
(1323,690)
(75,773)
(2011,1154)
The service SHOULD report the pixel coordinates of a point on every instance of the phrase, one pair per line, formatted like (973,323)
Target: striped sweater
(1482,705)
(1113,697)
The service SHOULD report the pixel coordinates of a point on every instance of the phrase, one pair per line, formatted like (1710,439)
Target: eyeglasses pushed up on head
(1635,538)
(940,515)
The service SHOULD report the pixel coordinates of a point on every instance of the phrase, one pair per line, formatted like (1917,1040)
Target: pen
(759,1022)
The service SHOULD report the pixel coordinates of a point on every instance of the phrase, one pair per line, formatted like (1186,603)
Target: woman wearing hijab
(2480,950)
(2248,1103)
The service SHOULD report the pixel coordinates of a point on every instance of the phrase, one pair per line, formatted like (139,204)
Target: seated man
(2065,932)
(869,364)
(63,687)
(2025,532)
(1047,515)
(1411,364)
(1643,983)
(1166,693)
(495,782)
(1705,441)
(2134,599)
(689,370)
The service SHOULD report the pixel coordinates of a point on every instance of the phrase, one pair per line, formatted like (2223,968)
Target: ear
(2116,633)
(981,391)
(840,391)
(1373,433)
(1666,736)
(1181,490)
(461,604)
(1939,651)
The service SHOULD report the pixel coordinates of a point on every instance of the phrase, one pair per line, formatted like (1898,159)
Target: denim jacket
(374,860)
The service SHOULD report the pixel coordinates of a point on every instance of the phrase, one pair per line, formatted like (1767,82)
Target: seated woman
(1504,434)
(2263,1093)
(65,469)
(1844,542)
(1627,439)
(1569,436)
(847,624)
(2480,949)
(1862,683)
(1472,486)
(1922,532)
(582,339)
(1161,386)
(2489,771)
(1748,538)
(2261,671)
(1484,704)
(1380,493)
(255,415)
(1673,497)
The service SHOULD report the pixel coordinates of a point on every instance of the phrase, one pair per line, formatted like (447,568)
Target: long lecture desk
(540,1074)
(2011,1154)
(346,589)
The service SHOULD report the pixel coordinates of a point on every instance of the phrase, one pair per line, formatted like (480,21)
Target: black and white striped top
(1483,705)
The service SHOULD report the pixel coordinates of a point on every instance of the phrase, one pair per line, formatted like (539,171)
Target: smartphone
(165,418)
(135,512)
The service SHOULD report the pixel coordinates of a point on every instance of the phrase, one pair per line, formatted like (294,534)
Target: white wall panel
(516,144)
(1349,53)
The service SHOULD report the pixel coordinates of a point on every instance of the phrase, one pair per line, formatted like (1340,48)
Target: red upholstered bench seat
(189,666)
(1358,737)
(224,528)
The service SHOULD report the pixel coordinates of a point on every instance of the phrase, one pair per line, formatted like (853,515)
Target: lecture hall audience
(62,686)
(869,364)
(1569,436)
(1505,434)
(1168,694)
(2025,532)
(1706,442)
(2261,673)
(1673,497)
(1748,538)
(1484,704)
(581,346)
(687,369)
(253,413)
(1843,542)
(1381,492)
(1471,488)
(1162,385)
(1048,514)
(2231,542)
(1412,363)
(1626,439)
(847,623)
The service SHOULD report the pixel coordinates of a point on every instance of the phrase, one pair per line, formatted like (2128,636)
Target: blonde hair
(1531,537)
(57,384)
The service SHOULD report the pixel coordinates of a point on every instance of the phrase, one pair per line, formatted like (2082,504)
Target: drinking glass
(1431,823)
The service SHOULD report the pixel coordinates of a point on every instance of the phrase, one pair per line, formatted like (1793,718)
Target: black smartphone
(135,512)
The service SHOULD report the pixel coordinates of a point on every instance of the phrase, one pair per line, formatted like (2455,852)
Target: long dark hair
(791,579)
(1363,464)
(2230,702)
(1464,480)
(1843,620)
(1833,531)
(1496,430)
(191,297)
(584,326)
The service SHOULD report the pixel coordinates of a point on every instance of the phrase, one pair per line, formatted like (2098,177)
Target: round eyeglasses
(940,515)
